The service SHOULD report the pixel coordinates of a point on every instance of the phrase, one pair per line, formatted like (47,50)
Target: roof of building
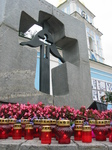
(80,3)
(86,8)
(61,3)
(100,63)
(88,22)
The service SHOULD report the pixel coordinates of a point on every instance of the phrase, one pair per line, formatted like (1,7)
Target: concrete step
(35,144)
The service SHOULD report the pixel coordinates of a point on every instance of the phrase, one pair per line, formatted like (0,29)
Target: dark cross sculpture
(41,39)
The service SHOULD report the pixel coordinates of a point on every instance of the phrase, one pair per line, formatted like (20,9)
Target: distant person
(103,100)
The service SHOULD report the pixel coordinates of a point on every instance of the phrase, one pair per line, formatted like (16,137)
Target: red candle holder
(44,122)
(17,132)
(64,131)
(110,135)
(78,133)
(79,122)
(37,123)
(29,132)
(46,135)
(23,124)
(107,122)
(4,128)
(53,126)
(55,130)
(12,121)
(86,134)
(92,124)
(100,131)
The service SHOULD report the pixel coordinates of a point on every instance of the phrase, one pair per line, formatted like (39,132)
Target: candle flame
(64,136)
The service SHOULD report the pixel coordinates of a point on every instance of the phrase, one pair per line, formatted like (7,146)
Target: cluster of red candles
(46,129)
(98,129)
(82,133)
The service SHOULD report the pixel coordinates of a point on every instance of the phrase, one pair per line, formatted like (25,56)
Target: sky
(102,9)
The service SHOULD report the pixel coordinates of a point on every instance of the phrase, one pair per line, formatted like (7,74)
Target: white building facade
(76,9)
(101,74)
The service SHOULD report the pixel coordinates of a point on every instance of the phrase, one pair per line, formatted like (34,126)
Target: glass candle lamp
(12,121)
(100,131)
(23,124)
(53,126)
(29,132)
(78,133)
(110,135)
(4,128)
(55,130)
(107,122)
(37,123)
(44,122)
(92,124)
(86,134)
(64,131)
(79,122)
(46,135)
(17,131)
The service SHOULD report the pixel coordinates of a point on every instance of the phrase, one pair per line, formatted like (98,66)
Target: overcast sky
(102,9)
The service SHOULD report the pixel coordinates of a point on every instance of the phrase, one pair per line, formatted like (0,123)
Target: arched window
(90,44)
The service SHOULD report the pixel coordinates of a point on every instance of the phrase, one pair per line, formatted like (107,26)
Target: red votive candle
(107,122)
(92,124)
(53,126)
(64,131)
(100,131)
(4,128)
(79,122)
(17,132)
(23,124)
(46,135)
(78,133)
(55,130)
(86,134)
(12,121)
(29,132)
(44,122)
(110,135)
(37,123)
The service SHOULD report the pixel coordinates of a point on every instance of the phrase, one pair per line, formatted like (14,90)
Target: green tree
(108,96)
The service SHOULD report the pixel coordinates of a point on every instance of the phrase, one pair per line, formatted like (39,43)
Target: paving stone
(95,145)
(35,144)
(108,144)
(10,144)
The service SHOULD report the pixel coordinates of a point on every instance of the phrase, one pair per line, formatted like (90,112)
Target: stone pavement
(35,144)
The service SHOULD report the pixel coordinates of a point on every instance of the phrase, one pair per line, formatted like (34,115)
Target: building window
(99,87)
(93,56)
(109,87)
(101,82)
(95,95)
(90,20)
(66,10)
(87,17)
(77,9)
(98,42)
(90,44)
